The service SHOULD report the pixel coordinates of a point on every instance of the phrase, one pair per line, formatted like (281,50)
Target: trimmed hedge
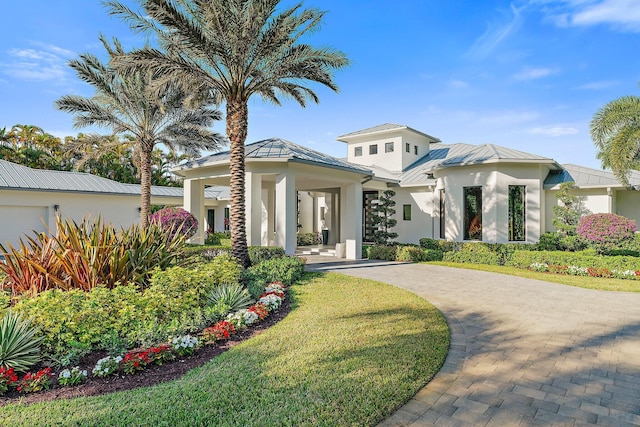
(404,253)
(257,254)
(473,253)
(585,259)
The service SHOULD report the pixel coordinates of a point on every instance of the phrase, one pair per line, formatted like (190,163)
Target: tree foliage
(234,49)
(615,130)
(566,214)
(383,218)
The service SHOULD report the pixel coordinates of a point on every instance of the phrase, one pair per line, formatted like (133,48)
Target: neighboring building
(30,199)
(457,192)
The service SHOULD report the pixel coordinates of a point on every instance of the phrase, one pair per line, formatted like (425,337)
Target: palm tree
(236,49)
(138,105)
(615,130)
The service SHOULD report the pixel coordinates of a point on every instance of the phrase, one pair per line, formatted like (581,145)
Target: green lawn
(601,283)
(351,352)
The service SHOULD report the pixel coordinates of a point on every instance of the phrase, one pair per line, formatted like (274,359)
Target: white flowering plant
(242,318)
(539,266)
(271,300)
(184,345)
(107,366)
(73,376)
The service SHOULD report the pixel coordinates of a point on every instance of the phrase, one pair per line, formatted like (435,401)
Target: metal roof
(584,177)
(416,173)
(276,148)
(489,153)
(385,128)
(18,177)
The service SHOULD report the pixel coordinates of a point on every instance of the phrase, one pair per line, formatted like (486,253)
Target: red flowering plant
(39,381)
(8,378)
(175,221)
(220,331)
(260,309)
(606,231)
(135,361)
(160,354)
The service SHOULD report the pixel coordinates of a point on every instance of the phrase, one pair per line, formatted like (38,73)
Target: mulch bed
(152,375)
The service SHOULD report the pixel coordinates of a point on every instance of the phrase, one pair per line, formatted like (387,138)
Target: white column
(286,218)
(253,205)
(194,202)
(351,219)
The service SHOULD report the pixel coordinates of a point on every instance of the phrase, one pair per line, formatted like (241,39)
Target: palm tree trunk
(237,122)
(145,183)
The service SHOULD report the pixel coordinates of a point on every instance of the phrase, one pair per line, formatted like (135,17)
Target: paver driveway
(523,352)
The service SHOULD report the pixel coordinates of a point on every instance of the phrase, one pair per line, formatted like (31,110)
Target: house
(31,198)
(458,192)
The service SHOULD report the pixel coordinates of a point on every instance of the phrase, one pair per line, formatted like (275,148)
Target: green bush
(410,254)
(549,241)
(287,269)
(308,239)
(428,243)
(473,253)
(384,252)
(19,345)
(214,238)
(584,259)
(258,254)
(433,255)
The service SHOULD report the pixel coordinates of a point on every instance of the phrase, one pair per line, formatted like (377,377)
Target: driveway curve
(523,351)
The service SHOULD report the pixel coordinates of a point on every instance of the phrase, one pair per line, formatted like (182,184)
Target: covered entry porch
(288,189)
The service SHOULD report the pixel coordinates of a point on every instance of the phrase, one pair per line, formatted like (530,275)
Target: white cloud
(533,73)
(48,63)
(621,15)
(598,85)
(496,34)
(554,131)
(459,84)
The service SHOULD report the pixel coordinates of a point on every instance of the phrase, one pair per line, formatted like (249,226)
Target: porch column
(253,206)
(351,219)
(193,200)
(286,218)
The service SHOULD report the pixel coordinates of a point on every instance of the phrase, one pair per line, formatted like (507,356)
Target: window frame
(406,212)
(516,235)
(472,212)
(388,147)
(373,149)
(357,151)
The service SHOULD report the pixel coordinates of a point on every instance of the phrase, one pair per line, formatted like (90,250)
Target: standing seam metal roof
(14,176)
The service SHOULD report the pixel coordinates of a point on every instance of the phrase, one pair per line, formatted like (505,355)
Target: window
(373,149)
(369,225)
(406,212)
(472,213)
(517,229)
(442,217)
(226,219)
(388,147)
(415,150)
(211,220)
(357,151)
(407,147)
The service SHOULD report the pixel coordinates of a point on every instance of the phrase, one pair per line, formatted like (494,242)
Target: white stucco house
(456,192)
(30,199)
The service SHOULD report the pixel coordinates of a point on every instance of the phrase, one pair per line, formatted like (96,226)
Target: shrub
(410,254)
(473,253)
(433,255)
(580,260)
(19,346)
(233,296)
(549,241)
(606,231)
(39,381)
(308,239)
(384,252)
(214,237)
(428,243)
(258,254)
(8,378)
(175,221)
(287,270)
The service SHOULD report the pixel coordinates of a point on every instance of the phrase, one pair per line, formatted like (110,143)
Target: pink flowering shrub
(176,220)
(606,231)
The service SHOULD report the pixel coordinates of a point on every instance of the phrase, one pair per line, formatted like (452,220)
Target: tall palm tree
(236,49)
(137,104)
(615,130)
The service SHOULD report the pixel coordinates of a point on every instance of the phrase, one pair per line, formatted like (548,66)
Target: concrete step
(316,251)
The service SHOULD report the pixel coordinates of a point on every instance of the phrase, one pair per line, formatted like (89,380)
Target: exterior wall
(397,160)
(494,180)
(628,204)
(421,224)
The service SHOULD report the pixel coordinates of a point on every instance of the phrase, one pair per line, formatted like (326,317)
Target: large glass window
(226,219)
(472,213)
(406,212)
(517,213)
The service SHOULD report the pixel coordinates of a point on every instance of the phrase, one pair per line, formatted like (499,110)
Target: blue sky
(527,74)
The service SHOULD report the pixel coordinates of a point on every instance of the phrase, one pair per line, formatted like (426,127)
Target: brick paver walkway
(523,352)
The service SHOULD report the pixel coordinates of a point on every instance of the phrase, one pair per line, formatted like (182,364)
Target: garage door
(18,221)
